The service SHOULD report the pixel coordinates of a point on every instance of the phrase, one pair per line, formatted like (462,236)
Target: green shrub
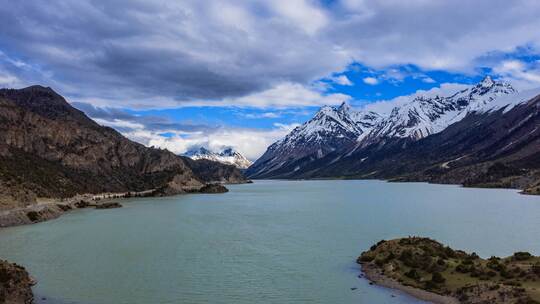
(463,268)
(536,268)
(449,252)
(506,274)
(522,256)
(494,264)
(366,258)
(33,216)
(389,257)
(413,274)
(377,245)
(438,278)
(429,285)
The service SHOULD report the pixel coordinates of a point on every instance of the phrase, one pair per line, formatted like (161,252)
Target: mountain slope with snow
(495,148)
(329,129)
(424,116)
(227,156)
(336,133)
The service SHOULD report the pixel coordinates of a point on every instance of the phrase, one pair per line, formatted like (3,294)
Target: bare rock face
(15,284)
(12,195)
(50,149)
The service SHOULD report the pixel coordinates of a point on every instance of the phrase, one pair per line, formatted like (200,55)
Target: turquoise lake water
(267,242)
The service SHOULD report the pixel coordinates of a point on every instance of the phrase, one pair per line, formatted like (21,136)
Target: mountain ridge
(465,140)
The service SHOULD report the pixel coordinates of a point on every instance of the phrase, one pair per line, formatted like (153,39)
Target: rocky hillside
(50,149)
(486,136)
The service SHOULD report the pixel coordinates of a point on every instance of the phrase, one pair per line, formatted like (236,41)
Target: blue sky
(177,74)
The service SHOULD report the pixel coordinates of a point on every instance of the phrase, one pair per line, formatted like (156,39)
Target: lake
(267,242)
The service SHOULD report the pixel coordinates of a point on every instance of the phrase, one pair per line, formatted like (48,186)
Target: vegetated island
(433,272)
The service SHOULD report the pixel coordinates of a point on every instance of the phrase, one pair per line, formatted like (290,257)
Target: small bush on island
(377,245)
(536,268)
(438,278)
(522,256)
(413,274)
(366,258)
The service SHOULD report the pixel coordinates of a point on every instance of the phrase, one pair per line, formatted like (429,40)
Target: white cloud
(252,143)
(371,80)
(261,115)
(342,80)
(284,95)
(161,53)
(119,123)
(428,79)
(9,81)
(521,74)
(302,13)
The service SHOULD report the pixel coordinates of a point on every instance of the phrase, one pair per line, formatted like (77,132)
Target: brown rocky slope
(50,149)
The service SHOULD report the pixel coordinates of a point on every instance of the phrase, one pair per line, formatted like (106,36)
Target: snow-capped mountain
(345,129)
(227,156)
(329,129)
(424,116)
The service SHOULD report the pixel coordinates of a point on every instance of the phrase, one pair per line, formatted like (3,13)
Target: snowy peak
(198,151)
(330,123)
(337,132)
(425,115)
(345,107)
(487,82)
(330,129)
(227,156)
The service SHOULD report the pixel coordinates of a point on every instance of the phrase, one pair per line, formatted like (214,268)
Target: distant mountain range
(485,135)
(226,156)
(49,149)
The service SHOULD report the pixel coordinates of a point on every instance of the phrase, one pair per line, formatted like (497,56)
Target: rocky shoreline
(15,284)
(373,274)
(48,209)
(436,273)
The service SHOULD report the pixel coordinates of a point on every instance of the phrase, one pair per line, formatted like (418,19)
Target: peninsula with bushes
(433,272)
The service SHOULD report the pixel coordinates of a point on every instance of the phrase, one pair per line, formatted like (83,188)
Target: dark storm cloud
(159,53)
(143,49)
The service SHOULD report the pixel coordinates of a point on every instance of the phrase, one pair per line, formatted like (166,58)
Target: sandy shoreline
(373,273)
